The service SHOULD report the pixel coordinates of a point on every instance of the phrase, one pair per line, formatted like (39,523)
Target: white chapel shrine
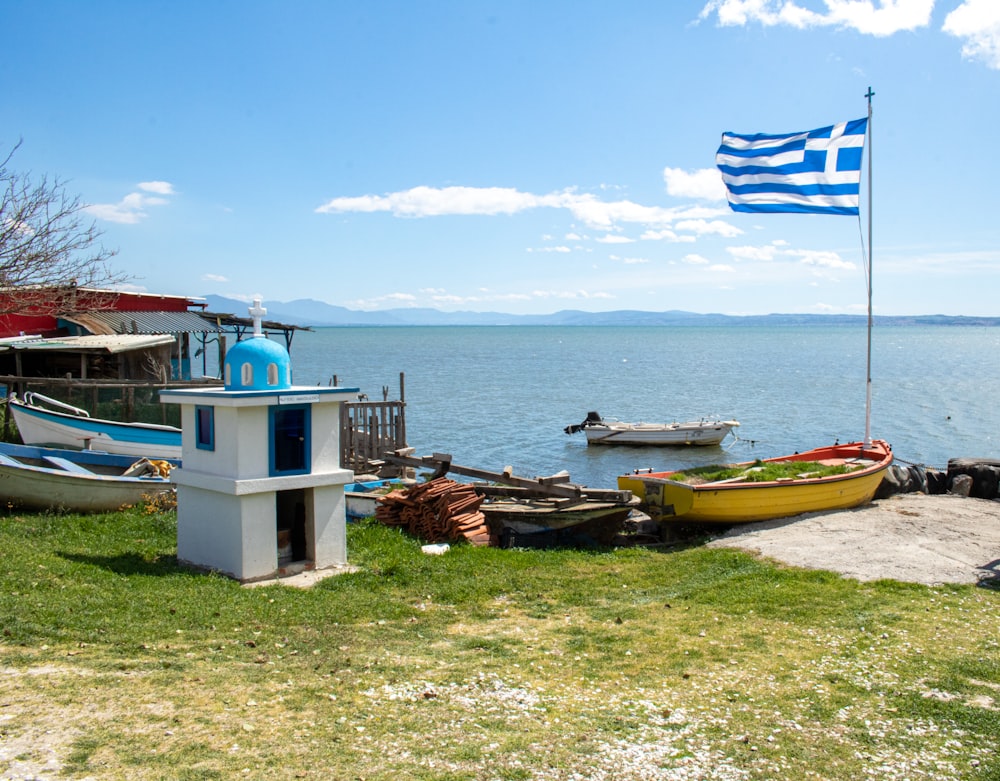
(260,492)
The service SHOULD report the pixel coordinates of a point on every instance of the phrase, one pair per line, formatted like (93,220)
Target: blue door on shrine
(290,440)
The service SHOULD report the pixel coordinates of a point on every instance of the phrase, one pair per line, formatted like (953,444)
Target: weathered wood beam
(556,485)
(589,494)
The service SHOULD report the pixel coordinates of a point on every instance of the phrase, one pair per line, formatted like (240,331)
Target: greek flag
(814,172)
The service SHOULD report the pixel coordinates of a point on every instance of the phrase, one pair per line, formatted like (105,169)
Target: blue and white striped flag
(814,172)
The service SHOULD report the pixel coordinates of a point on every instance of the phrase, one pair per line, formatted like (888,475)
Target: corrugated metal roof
(110,322)
(111,343)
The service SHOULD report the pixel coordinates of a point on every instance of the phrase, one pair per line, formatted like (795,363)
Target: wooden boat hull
(36,478)
(40,426)
(531,517)
(740,502)
(515,522)
(656,434)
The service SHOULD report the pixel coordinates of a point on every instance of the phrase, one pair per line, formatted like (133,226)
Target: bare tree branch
(46,244)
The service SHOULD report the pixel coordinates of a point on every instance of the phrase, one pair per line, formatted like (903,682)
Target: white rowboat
(37,478)
(44,421)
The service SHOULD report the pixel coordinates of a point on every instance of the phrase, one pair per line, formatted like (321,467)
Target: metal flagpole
(868,387)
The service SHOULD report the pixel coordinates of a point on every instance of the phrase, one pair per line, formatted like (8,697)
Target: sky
(519,156)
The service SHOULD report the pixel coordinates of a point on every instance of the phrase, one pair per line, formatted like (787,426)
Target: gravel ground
(914,537)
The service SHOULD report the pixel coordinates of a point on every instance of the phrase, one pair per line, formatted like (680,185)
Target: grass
(762,472)
(480,664)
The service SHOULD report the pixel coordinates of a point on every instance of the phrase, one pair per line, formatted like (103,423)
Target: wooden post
(222,353)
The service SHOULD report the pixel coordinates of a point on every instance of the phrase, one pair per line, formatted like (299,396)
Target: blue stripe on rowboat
(144,433)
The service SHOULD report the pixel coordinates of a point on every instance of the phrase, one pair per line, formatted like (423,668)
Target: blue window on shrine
(204,427)
(289,440)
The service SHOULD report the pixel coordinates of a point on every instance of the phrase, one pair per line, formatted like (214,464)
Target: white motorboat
(609,431)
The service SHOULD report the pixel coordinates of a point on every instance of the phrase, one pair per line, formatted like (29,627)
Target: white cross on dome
(257,312)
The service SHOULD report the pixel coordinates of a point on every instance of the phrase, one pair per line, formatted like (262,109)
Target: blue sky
(522,157)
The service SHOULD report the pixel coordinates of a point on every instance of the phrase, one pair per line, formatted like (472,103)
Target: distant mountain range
(310,313)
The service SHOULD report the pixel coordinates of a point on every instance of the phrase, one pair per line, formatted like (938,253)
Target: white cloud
(667,235)
(161,188)
(436,201)
(442,297)
(560,248)
(611,238)
(753,253)
(568,294)
(488,201)
(214,278)
(824,259)
(705,183)
(511,297)
(604,215)
(978,22)
(695,260)
(629,261)
(659,235)
(450,299)
(703,227)
(821,258)
(132,208)
(870,17)
(392,299)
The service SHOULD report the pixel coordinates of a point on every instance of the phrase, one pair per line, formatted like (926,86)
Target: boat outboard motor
(592,419)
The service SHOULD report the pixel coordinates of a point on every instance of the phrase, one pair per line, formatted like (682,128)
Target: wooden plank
(589,494)
(66,465)
(441,462)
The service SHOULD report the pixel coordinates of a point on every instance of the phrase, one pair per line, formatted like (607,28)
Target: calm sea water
(499,396)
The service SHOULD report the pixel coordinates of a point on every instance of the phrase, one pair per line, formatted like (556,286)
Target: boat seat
(67,465)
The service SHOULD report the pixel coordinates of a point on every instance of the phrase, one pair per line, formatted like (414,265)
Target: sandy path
(914,538)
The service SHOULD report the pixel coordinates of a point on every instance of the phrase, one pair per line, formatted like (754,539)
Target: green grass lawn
(480,664)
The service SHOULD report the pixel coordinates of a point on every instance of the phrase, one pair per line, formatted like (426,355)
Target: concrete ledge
(303,579)
(257,485)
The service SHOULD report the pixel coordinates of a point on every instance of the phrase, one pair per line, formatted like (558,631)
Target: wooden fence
(368,429)
(128,401)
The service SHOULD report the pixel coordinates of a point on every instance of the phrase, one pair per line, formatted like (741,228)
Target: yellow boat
(738,500)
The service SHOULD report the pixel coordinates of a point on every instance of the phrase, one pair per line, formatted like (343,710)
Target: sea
(501,396)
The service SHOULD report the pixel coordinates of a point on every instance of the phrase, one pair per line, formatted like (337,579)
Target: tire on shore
(985,474)
(901,479)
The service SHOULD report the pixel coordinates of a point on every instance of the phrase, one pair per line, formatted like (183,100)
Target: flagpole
(868,386)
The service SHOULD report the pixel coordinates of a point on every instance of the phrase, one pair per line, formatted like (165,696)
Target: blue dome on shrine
(257,363)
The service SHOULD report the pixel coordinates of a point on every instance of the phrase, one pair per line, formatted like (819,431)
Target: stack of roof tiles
(440,510)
